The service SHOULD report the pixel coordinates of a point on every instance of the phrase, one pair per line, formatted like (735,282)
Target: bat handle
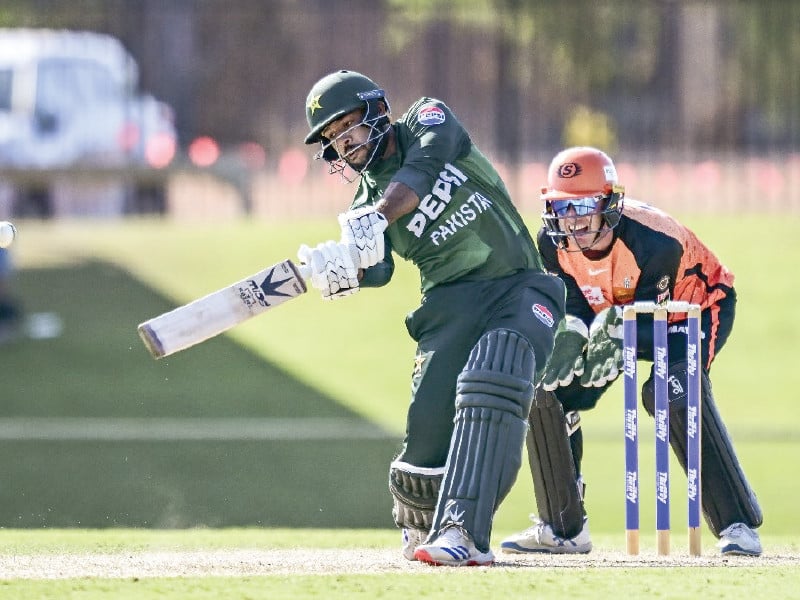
(305,271)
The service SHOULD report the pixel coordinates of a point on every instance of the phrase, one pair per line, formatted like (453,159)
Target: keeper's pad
(727,496)
(493,398)
(559,494)
(415,490)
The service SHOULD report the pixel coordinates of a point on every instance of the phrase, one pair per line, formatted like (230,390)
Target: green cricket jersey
(465,227)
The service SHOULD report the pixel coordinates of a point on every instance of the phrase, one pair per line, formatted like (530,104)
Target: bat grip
(305,270)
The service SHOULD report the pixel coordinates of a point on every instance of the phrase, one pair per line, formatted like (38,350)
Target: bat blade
(217,312)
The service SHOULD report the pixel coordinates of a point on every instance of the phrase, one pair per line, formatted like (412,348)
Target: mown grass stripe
(170,429)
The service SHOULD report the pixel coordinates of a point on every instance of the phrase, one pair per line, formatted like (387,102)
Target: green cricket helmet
(337,94)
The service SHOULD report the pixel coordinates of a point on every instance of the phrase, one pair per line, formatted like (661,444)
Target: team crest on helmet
(568,170)
(313,103)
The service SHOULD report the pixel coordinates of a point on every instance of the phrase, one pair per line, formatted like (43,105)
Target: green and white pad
(559,494)
(727,496)
(415,491)
(494,395)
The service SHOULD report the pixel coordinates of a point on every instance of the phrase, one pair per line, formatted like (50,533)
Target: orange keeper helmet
(584,179)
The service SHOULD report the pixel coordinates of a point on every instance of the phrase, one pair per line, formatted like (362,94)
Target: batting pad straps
(415,491)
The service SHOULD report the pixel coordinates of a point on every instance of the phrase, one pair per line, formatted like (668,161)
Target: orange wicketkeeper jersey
(653,257)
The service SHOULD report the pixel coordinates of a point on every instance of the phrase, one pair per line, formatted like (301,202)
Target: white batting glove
(363,229)
(333,271)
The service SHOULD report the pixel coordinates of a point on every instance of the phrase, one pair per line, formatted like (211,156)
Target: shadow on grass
(95,433)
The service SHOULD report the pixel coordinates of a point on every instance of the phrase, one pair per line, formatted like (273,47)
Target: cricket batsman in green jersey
(486,323)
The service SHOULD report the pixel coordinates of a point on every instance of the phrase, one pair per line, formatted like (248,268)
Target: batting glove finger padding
(333,270)
(363,230)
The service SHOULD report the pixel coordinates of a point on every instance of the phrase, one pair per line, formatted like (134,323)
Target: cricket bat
(217,312)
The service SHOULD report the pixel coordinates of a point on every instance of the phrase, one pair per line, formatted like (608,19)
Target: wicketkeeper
(609,257)
(486,324)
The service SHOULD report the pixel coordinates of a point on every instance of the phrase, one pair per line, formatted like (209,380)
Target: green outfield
(290,421)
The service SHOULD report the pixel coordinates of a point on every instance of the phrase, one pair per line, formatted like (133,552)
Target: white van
(70,98)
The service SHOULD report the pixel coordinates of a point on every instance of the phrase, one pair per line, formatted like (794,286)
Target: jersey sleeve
(436,137)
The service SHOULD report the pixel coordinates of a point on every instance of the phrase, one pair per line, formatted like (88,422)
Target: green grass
(347,360)
(545,583)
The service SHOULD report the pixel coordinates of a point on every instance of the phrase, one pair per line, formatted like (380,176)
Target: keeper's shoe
(540,538)
(739,540)
(411,539)
(453,548)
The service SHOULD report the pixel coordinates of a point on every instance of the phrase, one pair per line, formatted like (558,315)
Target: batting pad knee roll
(499,374)
(415,491)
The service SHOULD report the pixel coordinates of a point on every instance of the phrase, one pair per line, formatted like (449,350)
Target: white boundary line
(187,429)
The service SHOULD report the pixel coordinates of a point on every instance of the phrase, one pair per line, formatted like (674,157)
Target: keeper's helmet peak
(334,96)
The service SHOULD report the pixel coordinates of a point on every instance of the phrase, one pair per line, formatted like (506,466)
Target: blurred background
(151,152)
(701,95)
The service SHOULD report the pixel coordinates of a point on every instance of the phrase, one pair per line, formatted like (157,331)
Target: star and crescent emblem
(419,360)
(313,103)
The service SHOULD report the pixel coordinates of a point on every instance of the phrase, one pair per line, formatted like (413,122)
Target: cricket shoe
(411,539)
(739,540)
(453,548)
(540,538)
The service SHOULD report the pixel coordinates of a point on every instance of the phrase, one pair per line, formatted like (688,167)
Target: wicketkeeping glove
(604,350)
(363,229)
(333,271)
(567,360)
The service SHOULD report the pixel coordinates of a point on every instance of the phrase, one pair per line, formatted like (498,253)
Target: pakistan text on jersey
(466,213)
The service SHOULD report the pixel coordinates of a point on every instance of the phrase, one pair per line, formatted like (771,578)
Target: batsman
(611,251)
(486,323)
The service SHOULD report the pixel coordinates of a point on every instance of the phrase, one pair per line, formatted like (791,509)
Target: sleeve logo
(541,312)
(430,115)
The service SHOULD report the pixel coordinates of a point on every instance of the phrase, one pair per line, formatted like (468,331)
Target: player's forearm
(397,200)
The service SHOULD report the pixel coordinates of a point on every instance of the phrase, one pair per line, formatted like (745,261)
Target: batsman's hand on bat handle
(362,230)
(566,362)
(331,268)
(604,350)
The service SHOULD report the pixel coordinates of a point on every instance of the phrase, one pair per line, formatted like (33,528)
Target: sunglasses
(582,206)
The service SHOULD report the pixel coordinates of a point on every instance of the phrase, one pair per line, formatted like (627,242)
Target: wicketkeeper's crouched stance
(609,258)
(486,324)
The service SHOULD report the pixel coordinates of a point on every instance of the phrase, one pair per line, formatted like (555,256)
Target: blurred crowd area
(696,101)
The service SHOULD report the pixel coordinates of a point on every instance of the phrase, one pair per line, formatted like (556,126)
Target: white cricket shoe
(453,548)
(411,539)
(739,540)
(540,538)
